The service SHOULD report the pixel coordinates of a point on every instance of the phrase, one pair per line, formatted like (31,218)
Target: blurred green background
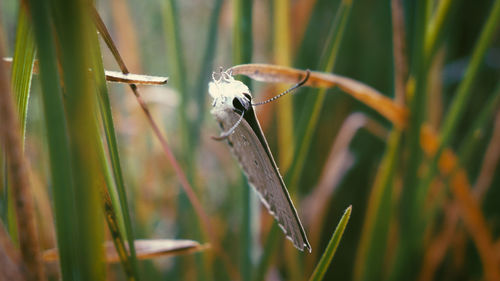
(187,40)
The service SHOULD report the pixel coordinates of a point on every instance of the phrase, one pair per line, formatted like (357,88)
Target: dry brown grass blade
(476,225)
(301,14)
(429,143)
(468,205)
(437,248)
(10,259)
(113,76)
(399,46)
(129,78)
(126,35)
(146,249)
(491,157)
(365,94)
(10,136)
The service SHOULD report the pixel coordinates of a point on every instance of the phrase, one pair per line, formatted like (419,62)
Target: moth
(233,109)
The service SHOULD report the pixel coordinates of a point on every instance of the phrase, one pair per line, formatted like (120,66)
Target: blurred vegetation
(424,192)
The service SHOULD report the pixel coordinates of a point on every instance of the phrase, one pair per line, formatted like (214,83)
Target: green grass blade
(476,132)
(22,66)
(242,53)
(177,67)
(73,28)
(436,27)
(314,103)
(120,206)
(282,49)
(458,104)
(369,258)
(58,141)
(464,90)
(206,70)
(315,100)
(269,251)
(326,258)
(416,95)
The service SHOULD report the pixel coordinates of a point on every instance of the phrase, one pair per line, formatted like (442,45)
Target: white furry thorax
(223,90)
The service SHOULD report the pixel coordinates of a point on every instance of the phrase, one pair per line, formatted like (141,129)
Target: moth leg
(227,133)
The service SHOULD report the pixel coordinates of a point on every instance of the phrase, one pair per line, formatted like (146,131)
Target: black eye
(241,104)
(248,96)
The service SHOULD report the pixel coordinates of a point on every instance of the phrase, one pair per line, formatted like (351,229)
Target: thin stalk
(176,61)
(282,44)
(206,69)
(242,53)
(409,217)
(436,27)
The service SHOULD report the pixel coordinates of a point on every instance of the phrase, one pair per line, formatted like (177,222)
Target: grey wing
(262,173)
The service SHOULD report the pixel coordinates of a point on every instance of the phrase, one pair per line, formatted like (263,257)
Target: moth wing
(250,147)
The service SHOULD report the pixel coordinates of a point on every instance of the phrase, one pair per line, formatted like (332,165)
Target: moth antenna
(287,91)
(227,133)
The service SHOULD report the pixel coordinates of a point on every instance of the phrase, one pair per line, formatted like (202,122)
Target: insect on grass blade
(232,104)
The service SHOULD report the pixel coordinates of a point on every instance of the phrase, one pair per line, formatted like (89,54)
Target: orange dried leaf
(366,94)
(476,225)
(428,140)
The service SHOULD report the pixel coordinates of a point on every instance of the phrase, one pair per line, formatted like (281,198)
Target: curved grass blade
(331,248)
(476,225)
(365,94)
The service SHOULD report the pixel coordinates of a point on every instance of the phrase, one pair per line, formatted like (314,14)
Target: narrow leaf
(146,249)
(331,248)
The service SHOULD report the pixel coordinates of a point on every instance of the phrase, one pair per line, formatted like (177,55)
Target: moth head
(228,92)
